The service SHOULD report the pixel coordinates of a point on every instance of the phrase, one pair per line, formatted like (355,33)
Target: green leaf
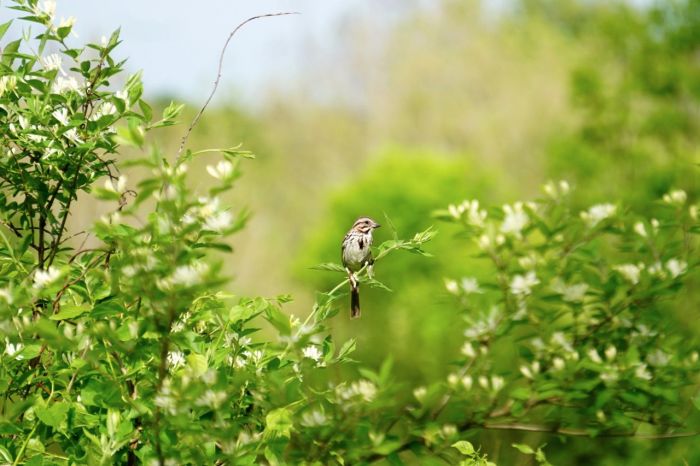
(329,266)
(524,448)
(388,447)
(198,364)
(234,152)
(70,311)
(347,348)
(242,313)
(4,27)
(278,423)
(53,415)
(106,309)
(9,52)
(464,447)
(278,319)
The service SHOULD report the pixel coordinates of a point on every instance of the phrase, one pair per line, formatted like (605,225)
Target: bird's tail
(355,302)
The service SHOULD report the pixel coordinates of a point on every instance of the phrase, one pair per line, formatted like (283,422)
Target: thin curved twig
(196,118)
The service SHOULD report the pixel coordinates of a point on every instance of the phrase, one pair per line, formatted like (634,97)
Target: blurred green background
(451,102)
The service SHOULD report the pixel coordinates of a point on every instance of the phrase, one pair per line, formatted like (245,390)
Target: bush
(128,350)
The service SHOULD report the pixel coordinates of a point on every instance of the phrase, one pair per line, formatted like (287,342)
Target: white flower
(449,430)
(675,197)
(103,41)
(515,220)
(497,382)
(526,372)
(558,363)
(47,8)
(692,210)
(521,285)
(188,275)
(72,134)
(6,294)
(106,108)
(560,339)
(658,358)
(468,350)
(467,382)
(570,293)
(598,213)
(312,352)
(528,262)
(594,356)
(630,272)
(484,382)
(61,115)
(564,187)
(212,399)
(640,229)
(36,137)
(657,269)
(175,359)
(484,241)
(218,222)
(313,418)
(62,85)
(470,285)
(43,278)
(609,376)
(475,217)
(366,389)
(641,372)
(451,286)
(452,379)
(610,352)
(676,267)
(554,191)
(420,393)
(8,83)
(222,171)
(116,186)
(67,22)
(51,62)
(11,349)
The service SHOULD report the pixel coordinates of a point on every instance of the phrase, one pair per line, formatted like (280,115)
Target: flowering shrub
(127,351)
(577,304)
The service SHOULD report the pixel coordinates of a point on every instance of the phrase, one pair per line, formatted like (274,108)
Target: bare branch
(585,433)
(196,118)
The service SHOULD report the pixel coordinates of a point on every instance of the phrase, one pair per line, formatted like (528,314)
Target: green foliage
(545,317)
(127,350)
(635,97)
(473,456)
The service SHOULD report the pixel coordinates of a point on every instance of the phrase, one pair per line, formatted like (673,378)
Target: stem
(20,453)
(218,76)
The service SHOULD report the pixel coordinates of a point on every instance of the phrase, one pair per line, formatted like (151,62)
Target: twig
(195,120)
(584,433)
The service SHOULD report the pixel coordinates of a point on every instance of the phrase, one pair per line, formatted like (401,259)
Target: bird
(356,254)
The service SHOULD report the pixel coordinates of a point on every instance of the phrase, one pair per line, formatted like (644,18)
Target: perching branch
(196,118)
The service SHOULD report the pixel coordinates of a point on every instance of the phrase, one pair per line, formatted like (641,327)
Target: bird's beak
(375,225)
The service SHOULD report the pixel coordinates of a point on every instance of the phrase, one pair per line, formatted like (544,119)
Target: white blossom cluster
(363,389)
(468,211)
(599,212)
(467,285)
(210,214)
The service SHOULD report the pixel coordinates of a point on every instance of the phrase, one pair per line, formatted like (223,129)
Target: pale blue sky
(177,43)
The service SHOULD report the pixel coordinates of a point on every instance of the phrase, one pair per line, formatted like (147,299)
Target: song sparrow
(356,254)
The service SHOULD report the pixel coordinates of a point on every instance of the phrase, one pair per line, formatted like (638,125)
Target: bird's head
(365,225)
